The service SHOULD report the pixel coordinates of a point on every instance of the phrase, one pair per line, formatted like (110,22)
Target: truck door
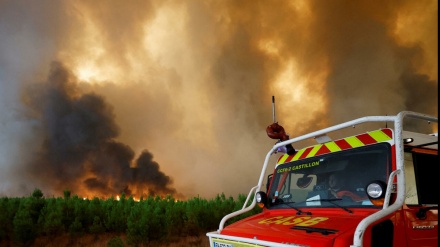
(420,211)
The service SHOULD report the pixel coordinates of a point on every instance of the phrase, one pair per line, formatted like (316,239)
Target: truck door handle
(421,214)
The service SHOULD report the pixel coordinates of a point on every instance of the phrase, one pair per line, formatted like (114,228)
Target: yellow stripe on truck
(354,142)
(332,146)
(379,136)
(382,135)
(314,150)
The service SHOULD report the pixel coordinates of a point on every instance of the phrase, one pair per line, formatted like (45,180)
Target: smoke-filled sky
(173,97)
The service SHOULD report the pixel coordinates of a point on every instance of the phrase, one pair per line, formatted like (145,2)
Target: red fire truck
(372,188)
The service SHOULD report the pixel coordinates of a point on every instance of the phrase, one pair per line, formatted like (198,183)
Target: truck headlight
(376,192)
(261,199)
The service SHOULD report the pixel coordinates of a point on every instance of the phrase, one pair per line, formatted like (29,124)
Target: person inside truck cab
(335,183)
(338,187)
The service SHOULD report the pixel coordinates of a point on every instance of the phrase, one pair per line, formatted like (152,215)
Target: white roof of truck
(421,140)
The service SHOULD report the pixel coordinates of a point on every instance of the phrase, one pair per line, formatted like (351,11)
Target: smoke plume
(79,147)
(87,87)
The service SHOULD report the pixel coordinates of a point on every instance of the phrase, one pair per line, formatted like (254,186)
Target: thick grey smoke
(79,147)
(191,82)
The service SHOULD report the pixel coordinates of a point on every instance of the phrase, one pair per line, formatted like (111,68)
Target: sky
(174,97)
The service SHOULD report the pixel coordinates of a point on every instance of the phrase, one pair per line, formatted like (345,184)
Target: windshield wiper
(332,202)
(298,211)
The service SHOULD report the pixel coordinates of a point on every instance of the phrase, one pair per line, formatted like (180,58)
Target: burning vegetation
(136,75)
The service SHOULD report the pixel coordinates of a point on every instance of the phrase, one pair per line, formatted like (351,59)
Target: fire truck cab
(374,188)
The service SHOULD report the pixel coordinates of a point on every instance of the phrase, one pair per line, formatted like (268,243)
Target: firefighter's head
(335,181)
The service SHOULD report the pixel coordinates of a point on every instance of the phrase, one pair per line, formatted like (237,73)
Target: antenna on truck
(276,131)
(273,109)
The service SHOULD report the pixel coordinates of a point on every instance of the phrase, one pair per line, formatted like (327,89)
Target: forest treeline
(24,219)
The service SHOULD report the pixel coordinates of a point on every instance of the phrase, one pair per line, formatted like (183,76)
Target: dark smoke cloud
(191,82)
(79,147)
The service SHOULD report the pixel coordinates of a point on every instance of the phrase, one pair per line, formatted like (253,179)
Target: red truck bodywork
(299,213)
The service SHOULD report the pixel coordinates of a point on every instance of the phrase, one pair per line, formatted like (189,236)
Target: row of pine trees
(153,218)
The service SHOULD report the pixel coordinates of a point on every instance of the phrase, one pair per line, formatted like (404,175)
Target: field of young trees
(130,223)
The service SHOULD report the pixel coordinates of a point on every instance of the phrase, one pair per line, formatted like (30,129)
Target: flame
(182,77)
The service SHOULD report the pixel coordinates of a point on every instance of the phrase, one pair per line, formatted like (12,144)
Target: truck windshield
(340,176)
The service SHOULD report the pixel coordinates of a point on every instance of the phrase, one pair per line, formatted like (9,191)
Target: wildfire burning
(79,146)
(96,94)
